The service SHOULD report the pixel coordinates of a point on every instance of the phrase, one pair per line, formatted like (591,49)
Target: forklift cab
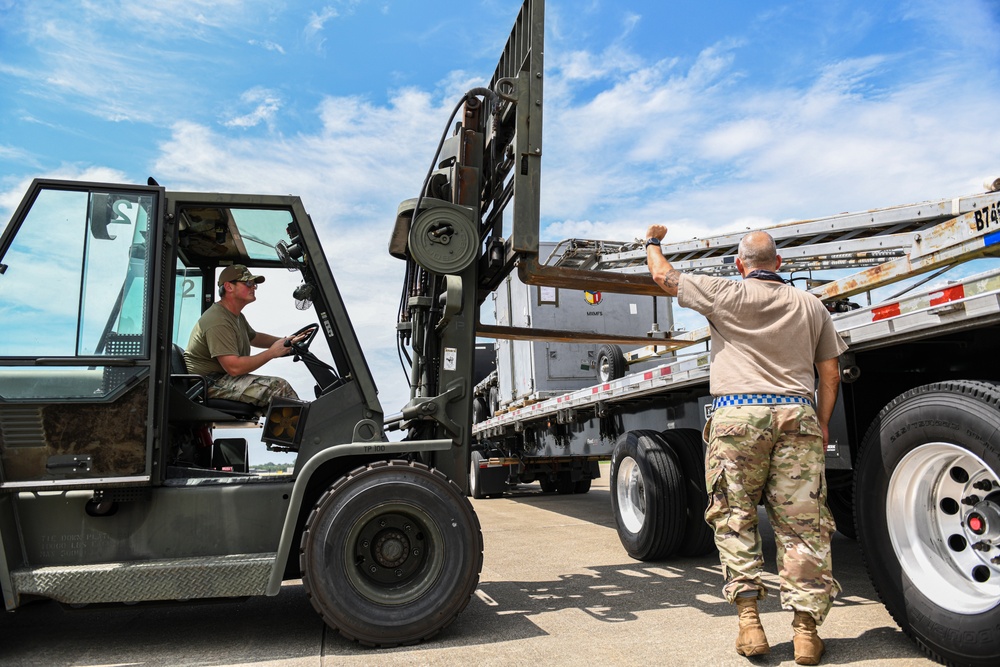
(100,286)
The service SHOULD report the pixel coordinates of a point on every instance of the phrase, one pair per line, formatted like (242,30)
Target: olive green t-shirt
(218,332)
(766,336)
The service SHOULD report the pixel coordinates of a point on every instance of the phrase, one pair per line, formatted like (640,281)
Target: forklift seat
(195,388)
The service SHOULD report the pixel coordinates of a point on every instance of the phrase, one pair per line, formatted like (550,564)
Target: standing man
(766,439)
(220,343)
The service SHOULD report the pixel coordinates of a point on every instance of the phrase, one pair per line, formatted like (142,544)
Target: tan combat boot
(807,644)
(751,640)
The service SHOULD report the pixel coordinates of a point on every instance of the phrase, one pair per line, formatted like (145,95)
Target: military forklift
(115,485)
(113,488)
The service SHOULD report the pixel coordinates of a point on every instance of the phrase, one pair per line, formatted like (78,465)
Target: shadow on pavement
(255,630)
(593,507)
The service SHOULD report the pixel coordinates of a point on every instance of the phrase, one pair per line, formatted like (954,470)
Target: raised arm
(664,275)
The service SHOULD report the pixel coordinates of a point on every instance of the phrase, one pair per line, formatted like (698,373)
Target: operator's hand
(656,232)
(280,348)
(292,340)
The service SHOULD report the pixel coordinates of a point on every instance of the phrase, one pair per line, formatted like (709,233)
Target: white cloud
(317,24)
(702,150)
(266,104)
(123,60)
(268,45)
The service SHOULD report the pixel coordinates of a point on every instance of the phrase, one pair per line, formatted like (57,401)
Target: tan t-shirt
(218,332)
(766,336)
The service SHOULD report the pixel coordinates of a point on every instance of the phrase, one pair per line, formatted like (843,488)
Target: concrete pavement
(556,589)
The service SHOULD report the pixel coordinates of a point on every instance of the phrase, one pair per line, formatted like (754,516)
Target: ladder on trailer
(850,240)
(893,244)
(885,245)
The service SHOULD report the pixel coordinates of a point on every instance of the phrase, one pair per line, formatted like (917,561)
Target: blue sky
(705,116)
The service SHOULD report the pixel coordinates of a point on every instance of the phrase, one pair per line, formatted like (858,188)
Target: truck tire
(391,553)
(565,484)
(583,485)
(927,492)
(610,363)
(493,402)
(647,495)
(475,488)
(686,443)
(479,410)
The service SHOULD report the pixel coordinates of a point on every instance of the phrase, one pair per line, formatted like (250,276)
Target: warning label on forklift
(450,358)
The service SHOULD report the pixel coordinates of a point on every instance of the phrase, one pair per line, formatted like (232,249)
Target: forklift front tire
(391,553)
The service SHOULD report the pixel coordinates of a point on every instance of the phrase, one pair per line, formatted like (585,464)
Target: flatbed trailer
(913,461)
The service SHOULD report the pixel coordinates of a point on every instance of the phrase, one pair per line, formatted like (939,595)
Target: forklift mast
(451,237)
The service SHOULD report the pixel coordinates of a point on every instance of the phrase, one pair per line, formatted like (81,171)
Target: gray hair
(757,251)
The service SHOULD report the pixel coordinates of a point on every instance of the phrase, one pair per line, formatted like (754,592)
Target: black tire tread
(667,513)
(986,393)
(315,511)
(699,539)
(616,359)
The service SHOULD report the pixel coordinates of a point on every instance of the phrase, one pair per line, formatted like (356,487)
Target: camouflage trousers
(774,453)
(255,389)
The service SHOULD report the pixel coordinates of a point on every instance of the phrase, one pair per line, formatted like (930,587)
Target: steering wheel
(302,347)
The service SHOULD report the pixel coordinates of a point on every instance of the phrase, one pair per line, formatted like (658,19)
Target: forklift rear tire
(686,443)
(927,492)
(391,553)
(647,496)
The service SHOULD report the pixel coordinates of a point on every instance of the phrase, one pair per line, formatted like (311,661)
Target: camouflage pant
(255,389)
(775,452)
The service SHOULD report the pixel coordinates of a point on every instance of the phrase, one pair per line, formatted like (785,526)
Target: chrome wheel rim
(631,492)
(943,518)
(604,369)
(473,477)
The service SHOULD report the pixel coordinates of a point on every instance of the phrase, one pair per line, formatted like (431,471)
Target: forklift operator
(219,347)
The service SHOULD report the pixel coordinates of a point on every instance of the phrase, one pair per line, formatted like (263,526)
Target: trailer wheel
(610,363)
(927,493)
(583,485)
(493,404)
(565,484)
(647,495)
(479,410)
(687,445)
(475,488)
(391,553)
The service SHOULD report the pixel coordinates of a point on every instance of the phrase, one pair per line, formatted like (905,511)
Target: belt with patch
(757,399)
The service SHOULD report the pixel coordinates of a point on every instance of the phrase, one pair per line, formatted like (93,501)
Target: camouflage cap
(238,273)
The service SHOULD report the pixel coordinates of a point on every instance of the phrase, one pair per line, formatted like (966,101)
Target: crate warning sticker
(450,358)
